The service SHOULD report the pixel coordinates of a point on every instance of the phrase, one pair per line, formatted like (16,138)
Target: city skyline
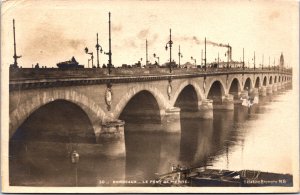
(74,30)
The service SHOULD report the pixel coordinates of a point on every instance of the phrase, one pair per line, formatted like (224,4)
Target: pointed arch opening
(43,143)
(271,80)
(142,108)
(265,81)
(257,82)
(248,84)
(235,88)
(216,92)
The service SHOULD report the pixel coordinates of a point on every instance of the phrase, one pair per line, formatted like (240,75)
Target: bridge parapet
(28,78)
(48,73)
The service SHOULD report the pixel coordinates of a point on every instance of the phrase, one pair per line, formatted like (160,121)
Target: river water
(255,139)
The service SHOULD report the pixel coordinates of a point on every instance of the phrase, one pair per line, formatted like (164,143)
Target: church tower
(281,63)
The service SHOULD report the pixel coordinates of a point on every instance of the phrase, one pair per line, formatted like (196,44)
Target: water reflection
(226,142)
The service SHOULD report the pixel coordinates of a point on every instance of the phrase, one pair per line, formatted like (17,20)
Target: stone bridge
(136,97)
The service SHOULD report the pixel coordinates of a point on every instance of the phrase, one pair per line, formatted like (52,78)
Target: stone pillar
(254,92)
(274,88)
(263,91)
(227,102)
(244,94)
(112,139)
(206,109)
(171,120)
(278,86)
(282,85)
(269,89)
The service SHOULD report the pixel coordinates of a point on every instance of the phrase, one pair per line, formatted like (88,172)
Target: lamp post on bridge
(205,54)
(194,60)
(97,48)
(92,56)
(141,61)
(179,56)
(109,53)
(262,62)
(15,64)
(243,60)
(254,60)
(155,56)
(170,43)
(89,62)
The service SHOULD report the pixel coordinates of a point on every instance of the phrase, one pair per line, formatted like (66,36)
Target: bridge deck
(49,77)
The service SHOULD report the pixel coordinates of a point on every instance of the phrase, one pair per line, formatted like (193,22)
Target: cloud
(117,28)
(274,15)
(48,42)
(143,34)
(190,39)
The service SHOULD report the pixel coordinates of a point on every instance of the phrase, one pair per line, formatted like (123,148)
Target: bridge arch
(58,120)
(187,100)
(181,87)
(161,101)
(95,114)
(235,87)
(265,81)
(248,84)
(279,79)
(216,91)
(275,79)
(257,82)
(142,108)
(271,80)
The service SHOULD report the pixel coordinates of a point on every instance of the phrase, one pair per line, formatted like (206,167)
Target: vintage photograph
(149,96)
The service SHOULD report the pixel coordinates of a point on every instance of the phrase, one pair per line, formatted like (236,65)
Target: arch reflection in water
(40,149)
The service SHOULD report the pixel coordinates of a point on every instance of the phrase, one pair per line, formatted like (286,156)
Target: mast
(179,55)
(97,47)
(170,49)
(228,56)
(146,52)
(243,60)
(15,65)
(254,60)
(262,62)
(205,53)
(109,40)
(201,57)
(218,59)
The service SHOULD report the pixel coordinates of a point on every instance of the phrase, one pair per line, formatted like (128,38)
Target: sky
(48,32)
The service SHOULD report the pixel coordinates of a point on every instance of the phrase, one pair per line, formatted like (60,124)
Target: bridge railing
(55,73)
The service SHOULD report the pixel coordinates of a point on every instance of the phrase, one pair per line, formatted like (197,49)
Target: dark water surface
(234,140)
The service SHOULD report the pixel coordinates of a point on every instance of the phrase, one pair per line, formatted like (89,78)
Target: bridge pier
(244,94)
(274,88)
(226,104)
(171,120)
(263,91)
(278,86)
(111,139)
(269,90)
(254,92)
(206,109)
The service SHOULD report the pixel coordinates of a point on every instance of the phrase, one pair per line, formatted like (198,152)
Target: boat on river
(223,178)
